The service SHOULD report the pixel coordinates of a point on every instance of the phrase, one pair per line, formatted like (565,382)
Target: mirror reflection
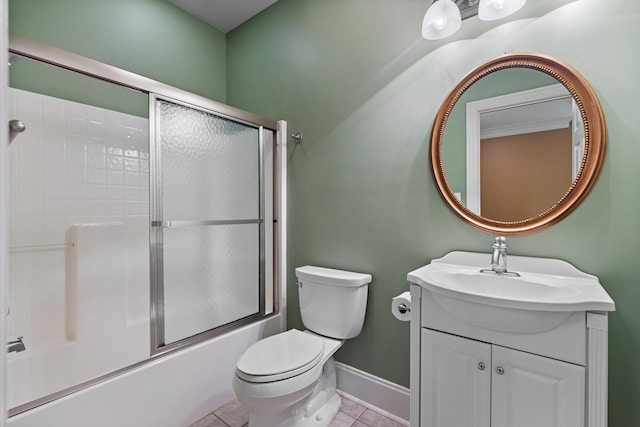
(513,145)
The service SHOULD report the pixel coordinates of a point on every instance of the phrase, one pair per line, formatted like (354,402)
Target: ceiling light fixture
(441,20)
(444,17)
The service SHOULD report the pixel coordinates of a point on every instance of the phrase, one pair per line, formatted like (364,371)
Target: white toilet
(289,379)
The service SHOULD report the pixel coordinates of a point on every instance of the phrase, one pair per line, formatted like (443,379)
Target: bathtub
(173,391)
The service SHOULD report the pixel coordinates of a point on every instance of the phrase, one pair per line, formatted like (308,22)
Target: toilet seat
(280,356)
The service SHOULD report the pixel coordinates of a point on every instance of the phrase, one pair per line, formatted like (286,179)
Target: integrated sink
(543,296)
(529,288)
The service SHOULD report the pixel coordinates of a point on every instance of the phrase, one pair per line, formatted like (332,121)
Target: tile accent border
(375,393)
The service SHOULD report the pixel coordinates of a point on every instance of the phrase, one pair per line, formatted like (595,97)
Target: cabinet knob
(500,370)
(481,366)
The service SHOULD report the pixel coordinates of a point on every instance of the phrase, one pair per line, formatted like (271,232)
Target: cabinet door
(534,391)
(455,381)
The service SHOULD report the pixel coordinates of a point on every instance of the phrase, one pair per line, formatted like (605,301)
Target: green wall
(362,86)
(152,38)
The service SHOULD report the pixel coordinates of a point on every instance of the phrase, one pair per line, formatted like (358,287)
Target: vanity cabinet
(525,350)
(471,383)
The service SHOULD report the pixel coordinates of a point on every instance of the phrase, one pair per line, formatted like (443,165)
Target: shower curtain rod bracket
(297,137)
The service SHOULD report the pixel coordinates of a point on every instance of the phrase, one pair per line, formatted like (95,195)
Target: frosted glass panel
(211,277)
(209,221)
(209,165)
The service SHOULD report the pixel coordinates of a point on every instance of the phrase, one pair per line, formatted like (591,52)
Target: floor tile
(233,414)
(374,419)
(351,414)
(342,420)
(352,408)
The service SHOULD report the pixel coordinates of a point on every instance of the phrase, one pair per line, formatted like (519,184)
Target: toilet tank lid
(333,277)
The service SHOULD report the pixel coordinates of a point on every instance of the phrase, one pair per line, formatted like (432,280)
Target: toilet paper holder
(401,307)
(404,308)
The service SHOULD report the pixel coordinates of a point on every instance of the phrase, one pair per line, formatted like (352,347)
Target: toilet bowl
(289,379)
(276,378)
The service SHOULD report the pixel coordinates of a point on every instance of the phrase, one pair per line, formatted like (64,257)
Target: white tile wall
(74,164)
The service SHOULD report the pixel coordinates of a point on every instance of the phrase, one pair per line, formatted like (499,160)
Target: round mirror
(518,143)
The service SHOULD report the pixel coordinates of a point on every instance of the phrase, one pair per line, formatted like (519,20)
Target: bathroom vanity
(496,350)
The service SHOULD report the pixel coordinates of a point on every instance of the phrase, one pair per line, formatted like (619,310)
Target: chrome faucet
(16,345)
(499,255)
(499,258)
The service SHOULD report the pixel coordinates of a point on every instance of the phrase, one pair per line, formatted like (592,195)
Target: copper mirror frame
(595,135)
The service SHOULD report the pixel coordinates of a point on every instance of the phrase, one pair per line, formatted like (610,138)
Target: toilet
(289,379)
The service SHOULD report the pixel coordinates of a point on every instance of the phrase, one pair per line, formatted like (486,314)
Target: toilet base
(316,410)
(324,415)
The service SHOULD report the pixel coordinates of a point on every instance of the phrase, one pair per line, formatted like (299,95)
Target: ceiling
(224,15)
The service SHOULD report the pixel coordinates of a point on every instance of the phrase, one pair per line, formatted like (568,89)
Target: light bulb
(490,10)
(440,23)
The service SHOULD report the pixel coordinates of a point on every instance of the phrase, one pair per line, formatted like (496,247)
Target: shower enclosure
(143,219)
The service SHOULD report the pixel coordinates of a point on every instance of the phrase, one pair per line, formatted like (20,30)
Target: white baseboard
(380,395)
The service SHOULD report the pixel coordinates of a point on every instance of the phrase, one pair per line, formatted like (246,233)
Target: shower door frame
(158,343)
(4,197)
(70,61)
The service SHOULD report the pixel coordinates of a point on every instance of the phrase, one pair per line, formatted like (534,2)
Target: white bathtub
(173,391)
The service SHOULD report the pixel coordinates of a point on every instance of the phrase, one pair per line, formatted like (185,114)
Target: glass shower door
(207,221)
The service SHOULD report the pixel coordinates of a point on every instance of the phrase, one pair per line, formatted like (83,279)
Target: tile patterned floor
(351,414)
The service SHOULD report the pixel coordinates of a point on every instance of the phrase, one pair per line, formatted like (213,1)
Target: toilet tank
(332,302)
